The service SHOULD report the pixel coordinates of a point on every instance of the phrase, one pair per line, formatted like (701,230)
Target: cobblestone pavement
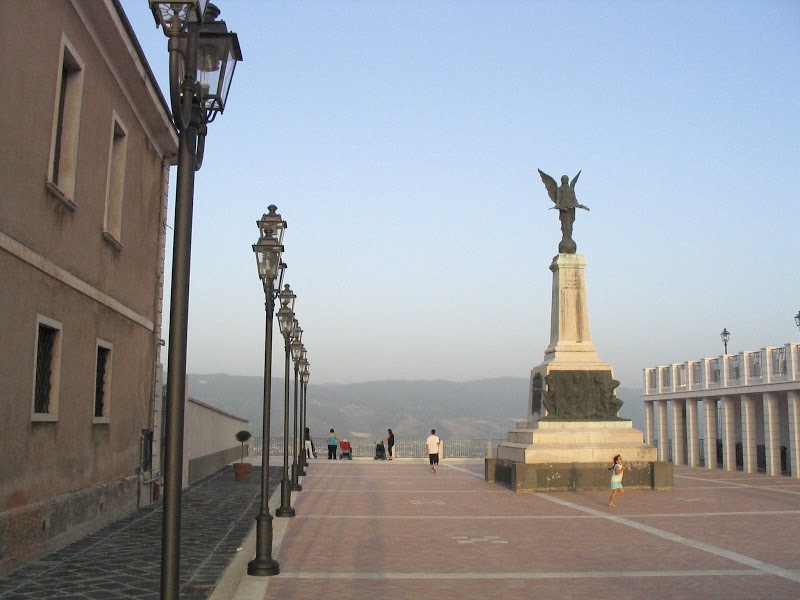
(123,559)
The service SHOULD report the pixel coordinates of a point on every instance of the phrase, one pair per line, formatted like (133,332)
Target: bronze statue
(566,202)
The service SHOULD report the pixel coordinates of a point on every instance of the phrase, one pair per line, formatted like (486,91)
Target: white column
(749,435)
(710,433)
(678,431)
(772,433)
(693,437)
(663,434)
(649,417)
(794,432)
(728,433)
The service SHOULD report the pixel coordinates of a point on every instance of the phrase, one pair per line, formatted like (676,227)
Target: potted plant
(241,470)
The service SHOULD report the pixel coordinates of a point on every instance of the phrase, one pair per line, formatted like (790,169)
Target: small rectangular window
(66,124)
(47,370)
(115,183)
(102,383)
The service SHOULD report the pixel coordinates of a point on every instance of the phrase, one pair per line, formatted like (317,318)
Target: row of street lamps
(203,56)
(271,269)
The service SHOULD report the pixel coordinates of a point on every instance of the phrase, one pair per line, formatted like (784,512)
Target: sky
(400,140)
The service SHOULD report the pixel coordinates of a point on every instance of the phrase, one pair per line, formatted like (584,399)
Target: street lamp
(285,322)
(797,319)
(725,335)
(304,380)
(303,423)
(270,270)
(197,41)
(296,347)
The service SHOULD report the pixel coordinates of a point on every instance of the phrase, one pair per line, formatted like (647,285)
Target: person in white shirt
(433,446)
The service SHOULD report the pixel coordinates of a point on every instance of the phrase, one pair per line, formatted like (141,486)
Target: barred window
(47,369)
(102,382)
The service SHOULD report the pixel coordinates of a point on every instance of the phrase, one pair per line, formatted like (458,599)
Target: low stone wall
(209,440)
(42,527)
(559,477)
(211,463)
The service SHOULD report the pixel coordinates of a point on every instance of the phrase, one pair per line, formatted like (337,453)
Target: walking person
(309,445)
(617,470)
(432,446)
(389,439)
(333,444)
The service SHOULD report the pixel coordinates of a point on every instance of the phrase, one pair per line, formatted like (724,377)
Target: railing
(758,367)
(697,374)
(715,371)
(665,377)
(779,361)
(733,367)
(681,376)
(652,379)
(754,358)
(366,448)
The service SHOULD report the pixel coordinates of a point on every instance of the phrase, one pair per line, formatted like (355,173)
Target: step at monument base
(575,455)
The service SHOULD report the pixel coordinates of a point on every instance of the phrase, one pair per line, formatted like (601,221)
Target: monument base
(571,477)
(575,455)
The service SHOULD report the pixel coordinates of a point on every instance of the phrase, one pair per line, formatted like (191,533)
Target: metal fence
(366,448)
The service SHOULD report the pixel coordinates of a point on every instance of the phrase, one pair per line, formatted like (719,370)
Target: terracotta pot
(241,471)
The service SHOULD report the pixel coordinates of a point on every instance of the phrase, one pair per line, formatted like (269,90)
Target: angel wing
(551,185)
(574,181)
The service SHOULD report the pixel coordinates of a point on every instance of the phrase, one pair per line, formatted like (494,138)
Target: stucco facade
(86,147)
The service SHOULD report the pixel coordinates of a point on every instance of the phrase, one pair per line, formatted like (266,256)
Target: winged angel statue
(566,202)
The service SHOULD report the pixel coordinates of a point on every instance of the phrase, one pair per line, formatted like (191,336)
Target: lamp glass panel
(217,57)
(268,258)
(273,222)
(296,348)
(287,299)
(285,318)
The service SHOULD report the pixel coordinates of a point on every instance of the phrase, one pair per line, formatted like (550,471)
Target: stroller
(380,451)
(347,450)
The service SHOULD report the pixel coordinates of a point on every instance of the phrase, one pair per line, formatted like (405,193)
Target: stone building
(87,142)
(737,411)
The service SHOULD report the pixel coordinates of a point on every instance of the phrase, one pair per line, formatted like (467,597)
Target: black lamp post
(286,322)
(296,347)
(725,335)
(797,319)
(303,373)
(304,381)
(270,270)
(197,42)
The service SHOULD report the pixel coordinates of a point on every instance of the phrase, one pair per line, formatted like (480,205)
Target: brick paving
(367,529)
(123,560)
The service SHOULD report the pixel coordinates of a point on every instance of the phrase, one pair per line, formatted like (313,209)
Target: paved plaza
(392,529)
(367,529)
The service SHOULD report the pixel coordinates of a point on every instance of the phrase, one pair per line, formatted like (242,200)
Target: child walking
(617,470)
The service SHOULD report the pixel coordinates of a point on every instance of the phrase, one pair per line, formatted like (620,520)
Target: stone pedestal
(573,430)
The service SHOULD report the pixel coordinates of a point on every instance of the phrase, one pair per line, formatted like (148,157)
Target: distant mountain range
(480,409)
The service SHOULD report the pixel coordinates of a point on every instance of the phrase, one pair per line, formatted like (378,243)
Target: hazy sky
(400,141)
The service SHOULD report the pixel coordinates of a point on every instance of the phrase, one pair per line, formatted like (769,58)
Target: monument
(573,429)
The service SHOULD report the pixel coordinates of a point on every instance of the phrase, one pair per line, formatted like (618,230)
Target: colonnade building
(747,405)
